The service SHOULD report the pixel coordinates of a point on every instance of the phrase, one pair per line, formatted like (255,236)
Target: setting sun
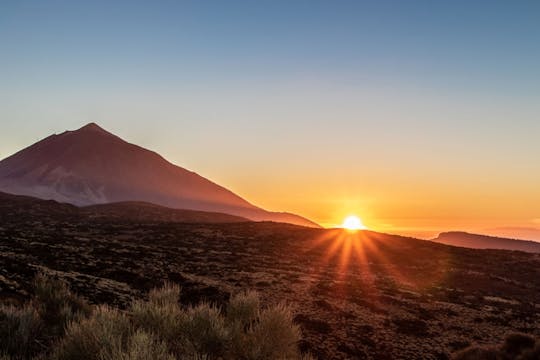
(353,223)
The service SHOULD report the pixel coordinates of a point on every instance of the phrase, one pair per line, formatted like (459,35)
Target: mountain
(458,238)
(25,206)
(92,166)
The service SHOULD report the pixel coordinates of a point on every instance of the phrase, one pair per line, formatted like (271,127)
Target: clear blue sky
(307,106)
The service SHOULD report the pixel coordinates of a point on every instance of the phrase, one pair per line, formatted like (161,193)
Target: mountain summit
(92,166)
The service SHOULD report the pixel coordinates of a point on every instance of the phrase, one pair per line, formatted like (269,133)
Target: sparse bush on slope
(155,329)
(19,329)
(161,315)
(515,347)
(96,337)
(204,332)
(141,346)
(57,305)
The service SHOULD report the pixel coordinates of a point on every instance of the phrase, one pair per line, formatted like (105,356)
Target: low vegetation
(515,347)
(58,325)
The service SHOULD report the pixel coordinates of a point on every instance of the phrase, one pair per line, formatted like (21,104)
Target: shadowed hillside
(126,211)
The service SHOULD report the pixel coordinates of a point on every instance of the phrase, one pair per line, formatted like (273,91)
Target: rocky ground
(356,295)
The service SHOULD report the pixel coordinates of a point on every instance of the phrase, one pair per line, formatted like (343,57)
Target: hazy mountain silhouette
(92,166)
(475,241)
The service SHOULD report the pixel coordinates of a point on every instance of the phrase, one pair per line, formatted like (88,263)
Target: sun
(353,222)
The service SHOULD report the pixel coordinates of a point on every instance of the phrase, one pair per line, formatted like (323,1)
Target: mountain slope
(458,238)
(92,166)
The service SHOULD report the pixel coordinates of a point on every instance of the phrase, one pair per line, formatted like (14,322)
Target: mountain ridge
(479,241)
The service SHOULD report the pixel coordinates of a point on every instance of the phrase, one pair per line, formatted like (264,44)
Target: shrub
(532,353)
(271,335)
(275,334)
(97,337)
(18,331)
(167,295)
(477,353)
(516,346)
(158,328)
(161,316)
(141,346)
(56,304)
(243,309)
(204,331)
(516,343)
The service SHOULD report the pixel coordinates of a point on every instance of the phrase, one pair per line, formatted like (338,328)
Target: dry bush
(141,346)
(96,337)
(155,329)
(167,295)
(161,316)
(532,353)
(19,328)
(516,346)
(477,353)
(261,334)
(243,308)
(56,304)
(204,331)
(275,335)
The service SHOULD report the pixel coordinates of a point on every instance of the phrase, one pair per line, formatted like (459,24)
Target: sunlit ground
(371,257)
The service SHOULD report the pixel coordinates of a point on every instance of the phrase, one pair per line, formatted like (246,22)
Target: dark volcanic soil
(356,295)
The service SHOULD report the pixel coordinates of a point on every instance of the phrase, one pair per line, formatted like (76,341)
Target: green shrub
(19,328)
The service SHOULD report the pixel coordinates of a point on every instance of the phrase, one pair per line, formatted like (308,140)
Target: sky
(417,116)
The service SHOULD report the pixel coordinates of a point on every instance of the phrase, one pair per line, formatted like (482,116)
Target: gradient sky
(418,116)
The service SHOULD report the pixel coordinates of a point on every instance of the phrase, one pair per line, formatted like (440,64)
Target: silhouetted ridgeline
(458,238)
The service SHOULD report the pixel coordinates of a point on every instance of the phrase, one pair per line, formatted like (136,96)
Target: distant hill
(475,241)
(23,206)
(91,166)
(141,211)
